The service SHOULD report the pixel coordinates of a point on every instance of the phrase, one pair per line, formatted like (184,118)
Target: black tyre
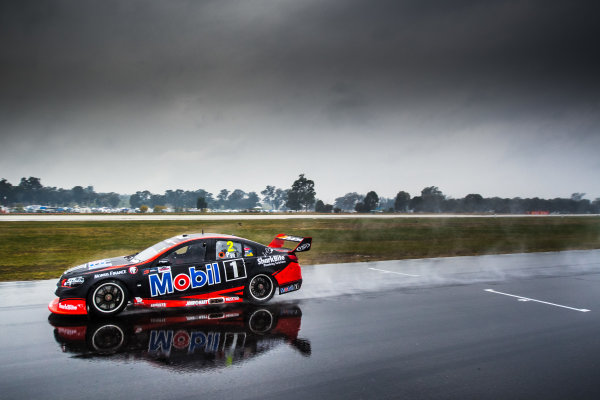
(260,289)
(107,298)
(107,339)
(261,321)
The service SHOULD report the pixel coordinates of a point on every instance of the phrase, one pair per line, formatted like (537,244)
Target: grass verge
(41,250)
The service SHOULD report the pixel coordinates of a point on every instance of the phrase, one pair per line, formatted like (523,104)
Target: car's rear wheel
(107,298)
(261,321)
(260,289)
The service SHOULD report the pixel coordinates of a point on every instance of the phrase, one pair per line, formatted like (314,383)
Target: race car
(188,270)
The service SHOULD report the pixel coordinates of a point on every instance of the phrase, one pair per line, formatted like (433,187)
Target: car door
(229,256)
(182,271)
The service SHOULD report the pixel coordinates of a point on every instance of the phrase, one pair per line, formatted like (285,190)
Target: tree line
(31,191)
(432,200)
(301,196)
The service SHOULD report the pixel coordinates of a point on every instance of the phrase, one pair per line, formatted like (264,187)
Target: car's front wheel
(260,289)
(107,298)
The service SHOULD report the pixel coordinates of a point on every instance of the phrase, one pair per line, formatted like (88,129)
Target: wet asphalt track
(425,329)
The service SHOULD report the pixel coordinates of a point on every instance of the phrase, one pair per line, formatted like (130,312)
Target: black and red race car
(183,271)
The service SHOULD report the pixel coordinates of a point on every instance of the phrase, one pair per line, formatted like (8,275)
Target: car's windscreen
(152,251)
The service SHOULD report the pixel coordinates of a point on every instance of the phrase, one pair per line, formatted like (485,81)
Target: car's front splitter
(68,306)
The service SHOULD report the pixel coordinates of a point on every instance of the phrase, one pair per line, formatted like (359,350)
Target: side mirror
(163,262)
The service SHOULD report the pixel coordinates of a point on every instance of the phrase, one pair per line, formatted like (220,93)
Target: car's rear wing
(304,243)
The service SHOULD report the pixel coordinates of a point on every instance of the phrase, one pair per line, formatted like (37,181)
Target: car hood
(98,264)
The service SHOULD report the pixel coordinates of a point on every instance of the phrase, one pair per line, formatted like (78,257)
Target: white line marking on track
(521,298)
(392,272)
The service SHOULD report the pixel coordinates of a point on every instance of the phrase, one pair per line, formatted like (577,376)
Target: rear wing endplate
(304,243)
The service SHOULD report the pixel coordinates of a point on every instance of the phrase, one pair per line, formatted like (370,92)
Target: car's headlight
(72,282)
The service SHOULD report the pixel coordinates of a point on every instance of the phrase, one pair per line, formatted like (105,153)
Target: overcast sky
(500,98)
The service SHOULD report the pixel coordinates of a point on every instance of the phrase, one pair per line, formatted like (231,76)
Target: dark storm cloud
(417,74)
(103,48)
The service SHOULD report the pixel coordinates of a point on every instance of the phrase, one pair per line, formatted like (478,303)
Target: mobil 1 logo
(234,269)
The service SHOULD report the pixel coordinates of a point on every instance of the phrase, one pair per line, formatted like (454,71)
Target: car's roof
(194,236)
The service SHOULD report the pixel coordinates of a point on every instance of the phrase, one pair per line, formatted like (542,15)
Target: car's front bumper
(68,306)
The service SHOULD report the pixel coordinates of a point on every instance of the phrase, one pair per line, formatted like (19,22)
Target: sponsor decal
(267,251)
(292,238)
(303,247)
(163,269)
(248,252)
(133,270)
(271,260)
(289,288)
(231,298)
(165,283)
(234,269)
(158,305)
(99,264)
(67,306)
(73,281)
(196,302)
(138,300)
(111,273)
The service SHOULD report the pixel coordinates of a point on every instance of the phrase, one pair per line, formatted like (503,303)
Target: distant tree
(371,200)
(596,206)
(577,196)
(473,203)
(348,201)
(432,199)
(280,198)
(320,206)
(302,194)
(139,198)
(402,201)
(250,201)
(235,199)
(201,203)
(190,198)
(6,192)
(369,203)
(158,209)
(222,198)
(78,194)
(143,208)
(274,197)
(29,189)
(157,200)
(268,194)
(111,199)
(416,204)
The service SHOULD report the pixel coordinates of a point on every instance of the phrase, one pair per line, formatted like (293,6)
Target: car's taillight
(293,257)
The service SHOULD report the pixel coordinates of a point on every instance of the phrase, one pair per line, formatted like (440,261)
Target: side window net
(194,253)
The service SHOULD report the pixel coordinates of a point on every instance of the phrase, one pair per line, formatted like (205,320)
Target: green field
(40,250)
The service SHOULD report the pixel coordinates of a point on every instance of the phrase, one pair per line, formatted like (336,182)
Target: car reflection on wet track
(185,341)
